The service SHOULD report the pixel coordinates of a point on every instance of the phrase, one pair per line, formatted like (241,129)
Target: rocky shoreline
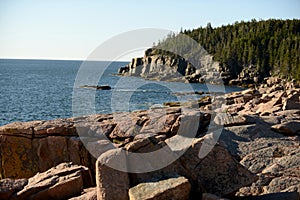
(256,156)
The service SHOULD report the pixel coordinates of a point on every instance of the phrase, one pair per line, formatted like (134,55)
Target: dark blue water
(43,90)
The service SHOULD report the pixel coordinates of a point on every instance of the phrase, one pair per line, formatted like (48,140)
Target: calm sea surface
(45,89)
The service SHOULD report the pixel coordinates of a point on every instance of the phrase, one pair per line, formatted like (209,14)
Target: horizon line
(64,59)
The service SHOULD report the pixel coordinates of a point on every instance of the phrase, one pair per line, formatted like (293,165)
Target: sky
(71,29)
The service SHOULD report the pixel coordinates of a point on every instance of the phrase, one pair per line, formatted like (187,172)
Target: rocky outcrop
(31,147)
(171,68)
(61,182)
(270,146)
(217,173)
(249,75)
(202,69)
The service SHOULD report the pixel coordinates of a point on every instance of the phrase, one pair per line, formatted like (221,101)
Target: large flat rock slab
(172,188)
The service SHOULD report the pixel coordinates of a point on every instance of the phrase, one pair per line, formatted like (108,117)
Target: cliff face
(171,68)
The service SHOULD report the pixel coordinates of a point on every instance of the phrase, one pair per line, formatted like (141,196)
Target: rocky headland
(167,67)
(256,156)
(242,53)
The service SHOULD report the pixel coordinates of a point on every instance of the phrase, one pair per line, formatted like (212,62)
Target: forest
(272,46)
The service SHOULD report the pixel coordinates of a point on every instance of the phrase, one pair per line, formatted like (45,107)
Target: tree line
(272,46)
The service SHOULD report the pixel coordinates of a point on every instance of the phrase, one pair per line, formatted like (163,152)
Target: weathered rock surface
(111,184)
(269,147)
(87,194)
(225,119)
(172,188)
(61,182)
(218,172)
(288,128)
(31,147)
(10,186)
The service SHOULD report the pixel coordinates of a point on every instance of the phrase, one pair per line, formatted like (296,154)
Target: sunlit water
(43,90)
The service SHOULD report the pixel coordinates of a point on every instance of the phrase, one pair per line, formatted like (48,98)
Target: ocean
(46,89)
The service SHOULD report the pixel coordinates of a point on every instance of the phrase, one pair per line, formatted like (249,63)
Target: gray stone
(227,119)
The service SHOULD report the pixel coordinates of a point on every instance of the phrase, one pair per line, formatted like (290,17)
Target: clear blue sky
(71,29)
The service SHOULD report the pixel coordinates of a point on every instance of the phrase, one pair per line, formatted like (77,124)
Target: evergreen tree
(272,46)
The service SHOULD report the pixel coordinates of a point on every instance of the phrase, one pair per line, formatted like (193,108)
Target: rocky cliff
(174,68)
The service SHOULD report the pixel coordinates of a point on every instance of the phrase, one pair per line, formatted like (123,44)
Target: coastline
(261,135)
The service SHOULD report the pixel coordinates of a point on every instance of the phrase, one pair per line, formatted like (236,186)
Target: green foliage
(272,46)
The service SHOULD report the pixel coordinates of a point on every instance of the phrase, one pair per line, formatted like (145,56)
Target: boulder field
(241,145)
